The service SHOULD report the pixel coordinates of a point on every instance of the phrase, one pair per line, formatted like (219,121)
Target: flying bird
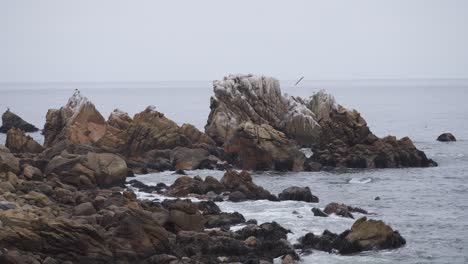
(299,81)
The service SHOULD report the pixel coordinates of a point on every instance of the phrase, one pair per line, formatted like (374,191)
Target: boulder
(84,209)
(364,235)
(8,162)
(18,142)
(223,219)
(195,135)
(242,182)
(87,171)
(374,234)
(11,120)
(185,185)
(261,147)
(296,193)
(446,137)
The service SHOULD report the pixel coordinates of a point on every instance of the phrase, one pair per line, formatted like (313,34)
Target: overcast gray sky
(113,40)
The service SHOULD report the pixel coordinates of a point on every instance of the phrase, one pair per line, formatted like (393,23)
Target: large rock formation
(244,104)
(18,142)
(10,120)
(78,121)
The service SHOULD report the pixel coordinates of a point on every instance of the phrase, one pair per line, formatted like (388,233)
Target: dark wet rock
(208,208)
(18,142)
(318,212)
(343,210)
(147,188)
(296,193)
(242,182)
(364,235)
(223,219)
(237,196)
(311,165)
(189,159)
(446,137)
(11,120)
(377,198)
(266,231)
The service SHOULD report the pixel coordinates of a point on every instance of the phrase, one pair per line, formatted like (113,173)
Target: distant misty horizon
(147,41)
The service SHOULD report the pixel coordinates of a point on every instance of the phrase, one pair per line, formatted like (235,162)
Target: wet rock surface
(11,120)
(298,194)
(446,137)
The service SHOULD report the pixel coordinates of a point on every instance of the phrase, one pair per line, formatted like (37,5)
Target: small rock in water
(180,172)
(446,137)
(295,212)
(377,198)
(318,212)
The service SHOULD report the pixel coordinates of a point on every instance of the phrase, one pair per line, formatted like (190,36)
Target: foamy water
(429,206)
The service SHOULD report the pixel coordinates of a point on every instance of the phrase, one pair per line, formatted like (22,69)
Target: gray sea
(428,206)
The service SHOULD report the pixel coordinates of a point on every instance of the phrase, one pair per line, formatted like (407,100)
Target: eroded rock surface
(18,142)
(11,120)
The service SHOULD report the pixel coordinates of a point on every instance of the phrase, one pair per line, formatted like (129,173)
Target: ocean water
(429,206)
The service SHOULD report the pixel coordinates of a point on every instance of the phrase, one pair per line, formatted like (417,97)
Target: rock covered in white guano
(258,99)
(77,121)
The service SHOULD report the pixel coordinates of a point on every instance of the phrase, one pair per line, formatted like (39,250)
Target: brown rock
(31,173)
(84,209)
(372,234)
(264,148)
(18,142)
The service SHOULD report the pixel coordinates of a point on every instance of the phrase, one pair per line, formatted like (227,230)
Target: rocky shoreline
(72,200)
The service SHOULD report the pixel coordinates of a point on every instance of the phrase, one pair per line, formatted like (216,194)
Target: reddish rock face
(78,122)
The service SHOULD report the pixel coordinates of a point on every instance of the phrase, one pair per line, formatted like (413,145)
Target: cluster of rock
(74,209)
(262,129)
(364,235)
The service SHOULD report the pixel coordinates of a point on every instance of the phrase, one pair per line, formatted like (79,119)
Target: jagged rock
(152,130)
(247,98)
(338,137)
(78,121)
(255,147)
(18,142)
(11,120)
(298,194)
(32,173)
(343,210)
(8,162)
(446,137)
(346,141)
(242,182)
